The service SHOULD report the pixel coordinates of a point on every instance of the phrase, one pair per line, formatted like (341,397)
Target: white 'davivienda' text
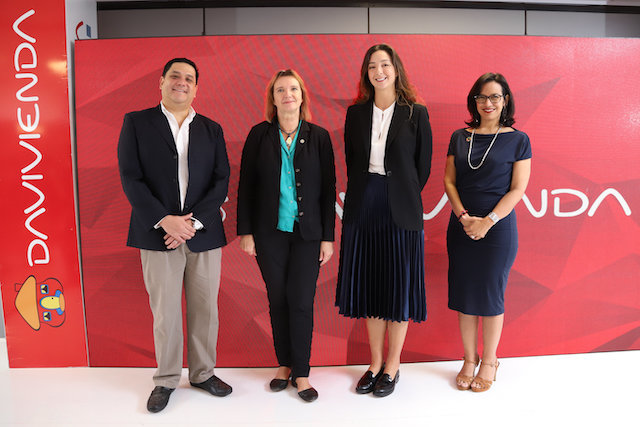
(585,203)
(25,61)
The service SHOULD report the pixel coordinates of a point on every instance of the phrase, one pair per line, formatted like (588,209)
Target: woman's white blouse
(379,129)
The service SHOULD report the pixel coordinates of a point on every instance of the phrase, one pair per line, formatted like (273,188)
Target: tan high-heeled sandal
(484,385)
(466,378)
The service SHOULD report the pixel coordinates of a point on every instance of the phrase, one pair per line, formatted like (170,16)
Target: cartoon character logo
(42,303)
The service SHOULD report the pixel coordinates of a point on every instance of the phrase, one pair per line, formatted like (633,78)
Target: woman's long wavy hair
(405,92)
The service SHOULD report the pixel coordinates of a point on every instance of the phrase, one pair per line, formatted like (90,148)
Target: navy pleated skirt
(381,271)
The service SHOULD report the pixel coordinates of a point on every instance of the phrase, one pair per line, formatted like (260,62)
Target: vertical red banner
(39,268)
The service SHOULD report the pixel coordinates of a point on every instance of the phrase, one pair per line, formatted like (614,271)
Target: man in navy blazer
(175,172)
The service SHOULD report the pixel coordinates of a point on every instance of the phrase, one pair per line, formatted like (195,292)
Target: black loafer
(159,399)
(368,382)
(277,384)
(385,385)
(308,395)
(215,386)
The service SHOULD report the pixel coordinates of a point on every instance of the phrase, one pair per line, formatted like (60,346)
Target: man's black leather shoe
(159,399)
(215,386)
(386,385)
(368,382)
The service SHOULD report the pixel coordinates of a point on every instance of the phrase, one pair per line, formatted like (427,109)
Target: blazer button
(300,198)
(388,173)
(301,141)
(297,184)
(297,170)
(301,214)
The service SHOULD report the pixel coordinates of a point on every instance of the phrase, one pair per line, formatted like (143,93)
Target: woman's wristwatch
(494,217)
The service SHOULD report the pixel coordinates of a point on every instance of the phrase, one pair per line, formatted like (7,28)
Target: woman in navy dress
(487,171)
(387,140)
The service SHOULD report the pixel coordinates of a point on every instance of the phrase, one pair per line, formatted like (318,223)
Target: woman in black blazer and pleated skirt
(286,218)
(388,149)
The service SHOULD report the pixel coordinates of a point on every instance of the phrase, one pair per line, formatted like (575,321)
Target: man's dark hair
(184,60)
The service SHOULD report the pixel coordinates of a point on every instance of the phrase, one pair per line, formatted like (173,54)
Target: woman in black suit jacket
(387,140)
(286,218)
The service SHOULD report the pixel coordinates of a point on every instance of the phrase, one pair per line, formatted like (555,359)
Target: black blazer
(407,161)
(148,163)
(259,186)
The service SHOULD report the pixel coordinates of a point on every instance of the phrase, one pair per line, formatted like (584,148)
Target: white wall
(354,20)
(446,21)
(581,24)
(286,20)
(149,23)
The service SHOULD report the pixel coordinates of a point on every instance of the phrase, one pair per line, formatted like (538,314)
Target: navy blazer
(148,162)
(407,161)
(259,185)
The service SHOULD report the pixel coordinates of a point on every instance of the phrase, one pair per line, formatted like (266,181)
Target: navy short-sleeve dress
(479,269)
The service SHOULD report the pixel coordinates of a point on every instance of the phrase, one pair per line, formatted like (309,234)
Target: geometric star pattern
(575,285)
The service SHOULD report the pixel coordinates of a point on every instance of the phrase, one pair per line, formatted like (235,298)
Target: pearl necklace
(485,153)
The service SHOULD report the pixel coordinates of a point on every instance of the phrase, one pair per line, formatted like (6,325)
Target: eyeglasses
(481,99)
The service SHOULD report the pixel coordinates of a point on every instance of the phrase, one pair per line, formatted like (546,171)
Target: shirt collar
(168,113)
(389,108)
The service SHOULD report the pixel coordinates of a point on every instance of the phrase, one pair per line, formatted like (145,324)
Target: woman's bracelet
(464,211)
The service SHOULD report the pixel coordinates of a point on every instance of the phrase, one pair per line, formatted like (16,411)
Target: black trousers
(290,268)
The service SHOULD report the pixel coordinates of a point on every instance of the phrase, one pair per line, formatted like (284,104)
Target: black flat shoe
(368,382)
(159,399)
(308,395)
(215,386)
(385,385)
(277,384)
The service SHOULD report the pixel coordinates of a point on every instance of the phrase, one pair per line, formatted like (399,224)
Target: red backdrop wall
(575,284)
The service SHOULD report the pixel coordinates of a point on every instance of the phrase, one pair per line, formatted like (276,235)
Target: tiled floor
(568,390)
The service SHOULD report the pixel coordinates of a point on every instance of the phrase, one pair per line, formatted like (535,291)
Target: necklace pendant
(288,140)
